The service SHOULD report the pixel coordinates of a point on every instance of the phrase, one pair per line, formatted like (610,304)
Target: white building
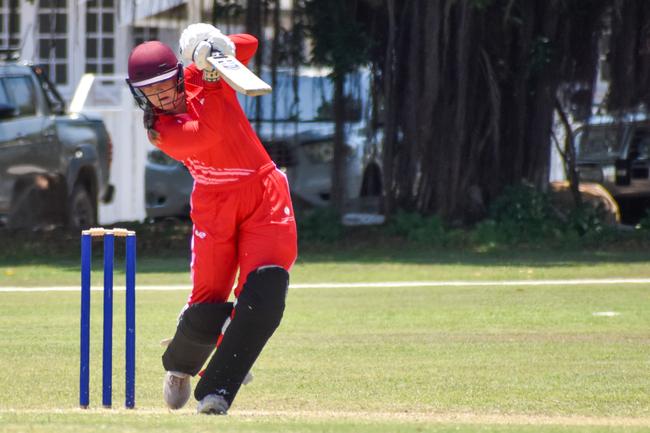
(73,37)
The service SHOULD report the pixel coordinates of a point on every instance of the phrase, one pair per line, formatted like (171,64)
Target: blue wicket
(130,322)
(107,349)
(84,371)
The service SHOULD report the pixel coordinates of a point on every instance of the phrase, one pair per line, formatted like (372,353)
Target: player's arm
(181,136)
(245,46)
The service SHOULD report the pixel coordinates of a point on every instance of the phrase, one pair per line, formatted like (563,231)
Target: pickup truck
(54,166)
(615,152)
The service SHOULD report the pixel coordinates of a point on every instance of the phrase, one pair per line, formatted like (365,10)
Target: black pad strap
(196,335)
(203,322)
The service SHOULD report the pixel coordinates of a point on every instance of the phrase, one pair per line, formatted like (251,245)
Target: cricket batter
(240,208)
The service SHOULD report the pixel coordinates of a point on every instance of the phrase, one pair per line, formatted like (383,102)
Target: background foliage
(465,90)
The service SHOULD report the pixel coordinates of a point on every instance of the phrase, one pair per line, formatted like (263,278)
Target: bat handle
(217,53)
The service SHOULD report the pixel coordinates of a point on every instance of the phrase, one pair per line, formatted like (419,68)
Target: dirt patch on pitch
(451,418)
(370,417)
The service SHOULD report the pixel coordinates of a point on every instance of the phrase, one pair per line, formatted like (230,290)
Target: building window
(144,34)
(100,36)
(52,39)
(9,25)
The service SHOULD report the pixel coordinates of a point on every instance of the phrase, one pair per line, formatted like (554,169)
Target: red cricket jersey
(214,139)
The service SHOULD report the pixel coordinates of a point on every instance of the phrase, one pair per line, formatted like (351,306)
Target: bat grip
(211,76)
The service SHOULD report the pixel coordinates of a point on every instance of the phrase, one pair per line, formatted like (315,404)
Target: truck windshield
(640,145)
(598,143)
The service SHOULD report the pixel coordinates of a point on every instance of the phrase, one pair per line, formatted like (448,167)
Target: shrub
(522,214)
(418,228)
(322,225)
(644,222)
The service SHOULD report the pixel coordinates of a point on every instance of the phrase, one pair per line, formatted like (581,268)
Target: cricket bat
(237,75)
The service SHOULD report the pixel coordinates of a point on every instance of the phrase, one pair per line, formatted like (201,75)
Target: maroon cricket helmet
(150,63)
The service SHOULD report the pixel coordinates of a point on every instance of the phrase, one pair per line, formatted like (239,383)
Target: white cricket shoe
(213,404)
(176,389)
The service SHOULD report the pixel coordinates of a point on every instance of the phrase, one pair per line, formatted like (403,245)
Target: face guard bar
(144,103)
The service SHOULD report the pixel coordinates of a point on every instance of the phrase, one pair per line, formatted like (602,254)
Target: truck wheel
(81,209)
(370,196)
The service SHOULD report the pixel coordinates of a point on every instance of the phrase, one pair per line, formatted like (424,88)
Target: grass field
(383,359)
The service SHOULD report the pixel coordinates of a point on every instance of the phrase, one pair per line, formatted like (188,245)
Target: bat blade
(238,76)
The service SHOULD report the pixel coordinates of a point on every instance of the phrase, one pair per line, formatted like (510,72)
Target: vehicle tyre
(81,209)
(370,196)
(371,185)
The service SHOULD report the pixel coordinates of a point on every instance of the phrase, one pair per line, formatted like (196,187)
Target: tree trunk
(297,28)
(390,119)
(569,156)
(254,25)
(338,195)
(275,49)
(455,115)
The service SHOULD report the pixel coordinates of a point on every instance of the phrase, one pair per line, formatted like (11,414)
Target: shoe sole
(213,411)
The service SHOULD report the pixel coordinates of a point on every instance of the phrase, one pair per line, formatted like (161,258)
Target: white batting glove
(194,34)
(200,57)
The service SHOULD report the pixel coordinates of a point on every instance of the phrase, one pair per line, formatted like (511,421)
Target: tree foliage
(338,33)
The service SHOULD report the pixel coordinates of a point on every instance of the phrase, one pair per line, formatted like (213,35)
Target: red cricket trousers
(240,227)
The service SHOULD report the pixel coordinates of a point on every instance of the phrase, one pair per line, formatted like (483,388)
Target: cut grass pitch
(418,359)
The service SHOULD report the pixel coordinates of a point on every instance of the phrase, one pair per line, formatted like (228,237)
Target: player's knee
(264,295)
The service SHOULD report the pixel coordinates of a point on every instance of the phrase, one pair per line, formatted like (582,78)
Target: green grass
(419,359)
(369,265)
